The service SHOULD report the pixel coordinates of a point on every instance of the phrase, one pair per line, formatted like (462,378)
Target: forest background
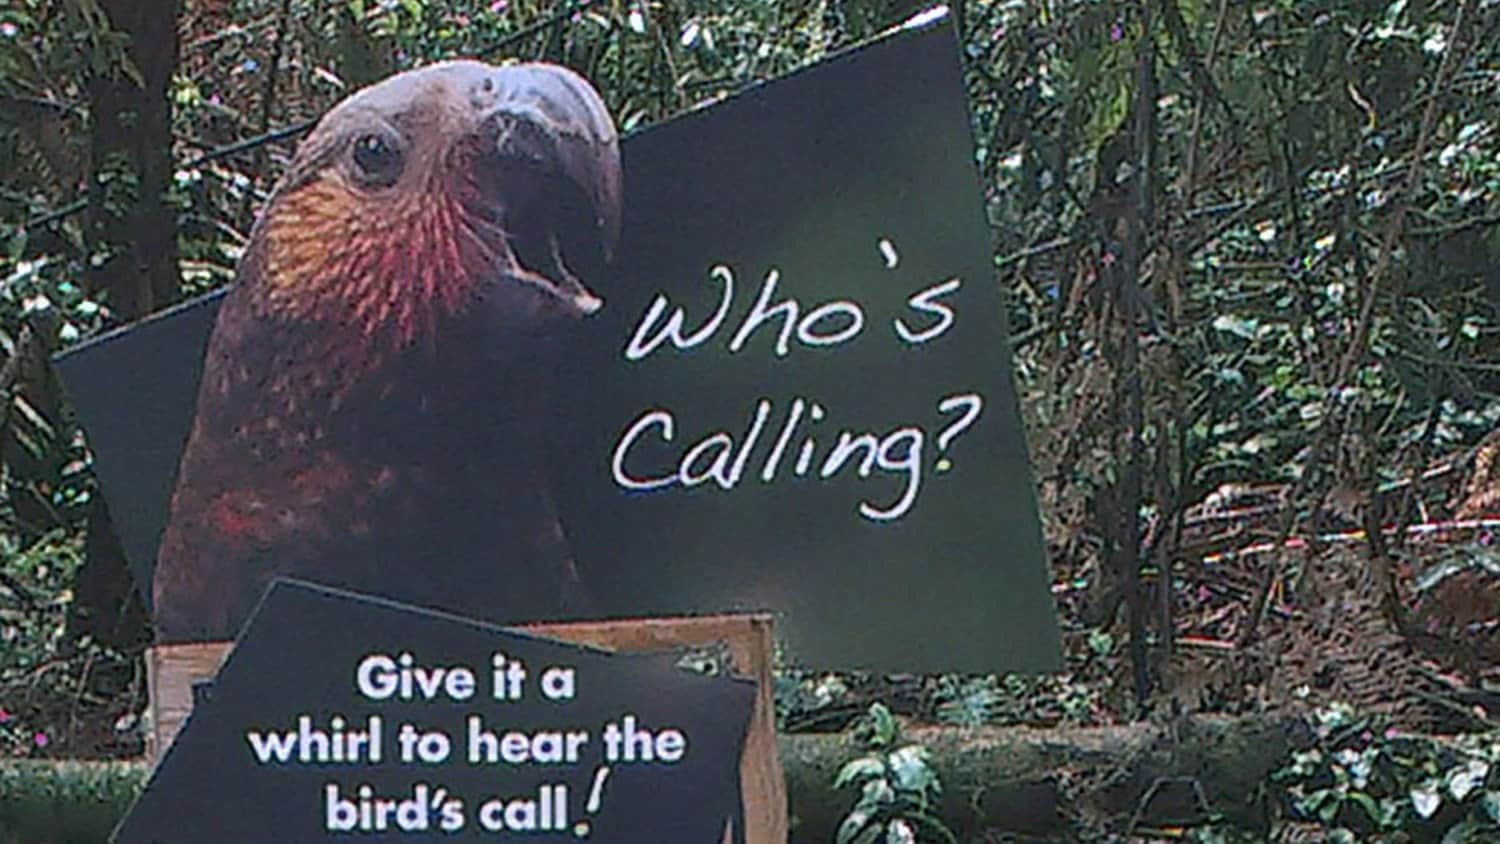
(1252,259)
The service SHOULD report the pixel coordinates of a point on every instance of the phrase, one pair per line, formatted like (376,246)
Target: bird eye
(378,160)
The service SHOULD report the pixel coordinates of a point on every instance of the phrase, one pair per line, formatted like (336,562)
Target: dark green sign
(406,725)
(797,396)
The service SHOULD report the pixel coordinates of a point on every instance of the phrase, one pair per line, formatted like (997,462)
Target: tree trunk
(132,242)
(132,230)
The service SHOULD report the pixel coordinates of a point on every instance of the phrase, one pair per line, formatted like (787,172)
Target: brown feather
(373,406)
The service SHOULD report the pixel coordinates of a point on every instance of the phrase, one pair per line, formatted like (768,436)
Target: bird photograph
(374,402)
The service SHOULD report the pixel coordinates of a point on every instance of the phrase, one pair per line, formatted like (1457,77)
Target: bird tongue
(587,303)
(582,299)
(566,293)
(567,287)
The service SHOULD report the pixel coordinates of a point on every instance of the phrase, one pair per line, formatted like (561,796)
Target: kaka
(373,409)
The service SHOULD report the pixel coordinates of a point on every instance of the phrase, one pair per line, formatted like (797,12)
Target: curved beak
(585,146)
(559,154)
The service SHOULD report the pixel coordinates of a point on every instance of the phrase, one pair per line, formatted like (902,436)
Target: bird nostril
(482,94)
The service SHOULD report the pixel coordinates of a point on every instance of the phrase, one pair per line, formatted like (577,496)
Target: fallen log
(1017,781)
(1046,783)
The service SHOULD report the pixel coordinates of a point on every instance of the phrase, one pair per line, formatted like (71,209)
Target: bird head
(455,188)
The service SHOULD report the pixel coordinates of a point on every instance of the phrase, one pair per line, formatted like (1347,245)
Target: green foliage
(1221,834)
(51,682)
(1055,700)
(1286,135)
(1301,132)
(52,803)
(45,47)
(801,696)
(969,701)
(1367,782)
(650,60)
(898,790)
(47,52)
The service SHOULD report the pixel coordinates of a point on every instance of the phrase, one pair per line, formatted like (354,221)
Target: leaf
(1393,13)
(1490,804)
(1425,799)
(1100,641)
(882,725)
(1329,810)
(878,793)
(900,832)
(859,769)
(16,245)
(854,823)
(1228,323)
(1372,808)
(1461,832)
(25,271)
(1463,780)
(909,764)
(1110,112)
(932,827)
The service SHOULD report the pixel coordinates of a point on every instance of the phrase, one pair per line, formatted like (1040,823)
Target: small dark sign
(796,396)
(338,717)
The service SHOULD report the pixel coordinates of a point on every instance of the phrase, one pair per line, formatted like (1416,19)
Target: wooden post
(171,671)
